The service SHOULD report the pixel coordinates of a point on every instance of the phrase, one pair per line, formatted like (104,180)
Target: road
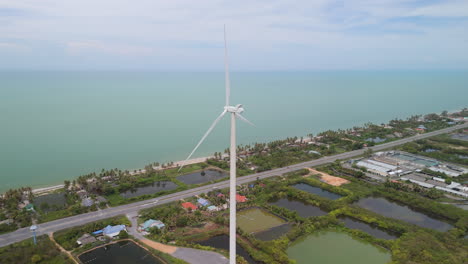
(133,208)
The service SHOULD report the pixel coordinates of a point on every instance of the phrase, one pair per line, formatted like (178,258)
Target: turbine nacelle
(238,109)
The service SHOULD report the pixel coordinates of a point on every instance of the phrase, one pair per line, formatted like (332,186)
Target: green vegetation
(25,252)
(67,237)
(448,247)
(444,148)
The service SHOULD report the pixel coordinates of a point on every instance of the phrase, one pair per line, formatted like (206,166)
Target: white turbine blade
(204,137)
(244,119)
(226,69)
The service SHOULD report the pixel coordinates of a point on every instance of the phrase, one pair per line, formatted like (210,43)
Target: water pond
(375,231)
(316,190)
(50,202)
(202,176)
(335,248)
(303,209)
(222,242)
(273,233)
(255,219)
(401,212)
(155,187)
(123,252)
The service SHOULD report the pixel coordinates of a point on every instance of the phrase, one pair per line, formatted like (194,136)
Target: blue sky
(263,35)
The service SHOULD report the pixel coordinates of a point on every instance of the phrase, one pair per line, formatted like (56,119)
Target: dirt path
(158,246)
(51,236)
(190,255)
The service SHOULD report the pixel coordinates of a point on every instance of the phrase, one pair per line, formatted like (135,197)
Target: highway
(133,208)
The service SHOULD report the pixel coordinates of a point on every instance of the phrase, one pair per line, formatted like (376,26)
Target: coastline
(47,189)
(50,188)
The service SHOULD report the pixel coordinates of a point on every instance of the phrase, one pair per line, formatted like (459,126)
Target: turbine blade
(226,69)
(244,119)
(204,137)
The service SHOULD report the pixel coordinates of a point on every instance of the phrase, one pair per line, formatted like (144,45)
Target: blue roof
(203,202)
(151,222)
(97,232)
(113,229)
(148,223)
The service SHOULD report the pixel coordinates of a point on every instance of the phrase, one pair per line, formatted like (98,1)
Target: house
(241,198)
(421,128)
(87,202)
(101,199)
(152,223)
(189,205)
(314,152)
(82,194)
(203,202)
(212,208)
(29,207)
(112,231)
(220,195)
(85,239)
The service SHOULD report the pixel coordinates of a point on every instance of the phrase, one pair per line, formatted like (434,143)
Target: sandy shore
(138,171)
(47,189)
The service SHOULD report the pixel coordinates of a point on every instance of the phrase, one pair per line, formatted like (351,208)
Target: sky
(267,35)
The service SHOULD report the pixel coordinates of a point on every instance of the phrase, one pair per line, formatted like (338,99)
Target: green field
(255,220)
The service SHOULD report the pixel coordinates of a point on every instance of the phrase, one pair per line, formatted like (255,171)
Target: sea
(55,126)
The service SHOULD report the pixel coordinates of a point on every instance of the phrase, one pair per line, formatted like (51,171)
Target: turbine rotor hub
(234,109)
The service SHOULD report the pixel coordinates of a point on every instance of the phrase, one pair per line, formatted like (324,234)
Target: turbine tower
(235,112)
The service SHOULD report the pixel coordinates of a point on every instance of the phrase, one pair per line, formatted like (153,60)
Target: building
(87,202)
(241,198)
(189,205)
(85,239)
(212,208)
(29,207)
(376,169)
(112,231)
(101,199)
(315,152)
(421,128)
(152,223)
(203,202)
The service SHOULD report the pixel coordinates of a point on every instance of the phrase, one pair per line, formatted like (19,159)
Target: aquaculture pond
(402,212)
(273,233)
(316,190)
(375,231)
(332,247)
(255,219)
(222,242)
(303,209)
(50,202)
(123,252)
(155,187)
(202,176)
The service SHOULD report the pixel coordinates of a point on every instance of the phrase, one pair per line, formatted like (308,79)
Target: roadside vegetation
(25,252)
(187,227)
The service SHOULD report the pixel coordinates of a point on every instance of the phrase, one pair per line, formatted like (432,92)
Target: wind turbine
(235,112)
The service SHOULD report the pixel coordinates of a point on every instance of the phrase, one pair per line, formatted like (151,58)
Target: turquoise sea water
(59,125)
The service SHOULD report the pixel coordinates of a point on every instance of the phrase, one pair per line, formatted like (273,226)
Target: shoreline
(50,188)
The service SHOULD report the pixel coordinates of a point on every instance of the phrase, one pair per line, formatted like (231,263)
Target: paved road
(133,208)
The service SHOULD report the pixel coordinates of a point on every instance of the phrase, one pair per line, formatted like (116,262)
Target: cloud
(79,47)
(12,47)
(262,34)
